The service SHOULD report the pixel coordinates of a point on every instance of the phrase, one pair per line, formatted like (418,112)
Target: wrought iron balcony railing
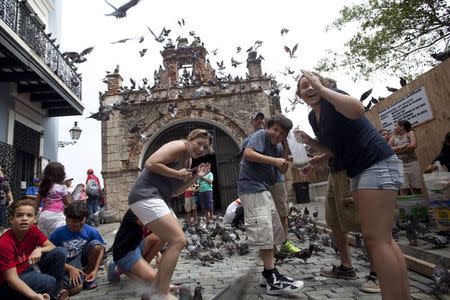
(20,20)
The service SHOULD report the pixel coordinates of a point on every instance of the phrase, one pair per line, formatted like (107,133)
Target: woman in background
(404,142)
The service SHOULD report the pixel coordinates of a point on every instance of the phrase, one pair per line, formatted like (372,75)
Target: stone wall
(140,117)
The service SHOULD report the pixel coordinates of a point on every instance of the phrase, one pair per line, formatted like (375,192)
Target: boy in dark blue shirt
(262,154)
(84,246)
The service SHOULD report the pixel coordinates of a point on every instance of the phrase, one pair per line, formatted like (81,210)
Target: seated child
(234,214)
(31,267)
(84,246)
(131,253)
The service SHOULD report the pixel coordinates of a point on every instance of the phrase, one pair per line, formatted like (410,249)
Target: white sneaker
(280,284)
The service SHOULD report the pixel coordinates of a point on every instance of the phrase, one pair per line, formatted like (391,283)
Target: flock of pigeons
(217,242)
(74,58)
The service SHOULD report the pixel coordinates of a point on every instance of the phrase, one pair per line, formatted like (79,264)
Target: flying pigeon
(284,31)
(234,62)
(365,95)
(160,38)
(76,57)
(121,12)
(291,52)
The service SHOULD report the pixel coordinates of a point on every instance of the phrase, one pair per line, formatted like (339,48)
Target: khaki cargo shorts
(413,175)
(190,204)
(262,223)
(340,208)
(279,195)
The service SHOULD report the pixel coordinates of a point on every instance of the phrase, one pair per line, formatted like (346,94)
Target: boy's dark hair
(76,210)
(281,120)
(405,124)
(20,203)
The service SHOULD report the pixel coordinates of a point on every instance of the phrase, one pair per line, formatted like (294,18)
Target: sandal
(89,285)
(63,295)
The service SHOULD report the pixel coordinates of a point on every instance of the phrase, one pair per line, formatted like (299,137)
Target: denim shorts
(383,175)
(127,262)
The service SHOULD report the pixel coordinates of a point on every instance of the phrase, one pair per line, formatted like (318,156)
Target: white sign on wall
(414,108)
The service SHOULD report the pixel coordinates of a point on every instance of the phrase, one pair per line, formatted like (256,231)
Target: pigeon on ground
(441,277)
(237,289)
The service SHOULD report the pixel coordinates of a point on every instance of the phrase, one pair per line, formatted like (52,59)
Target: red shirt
(15,253)
(189,193)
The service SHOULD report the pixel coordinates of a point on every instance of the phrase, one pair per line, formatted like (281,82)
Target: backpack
(92,188)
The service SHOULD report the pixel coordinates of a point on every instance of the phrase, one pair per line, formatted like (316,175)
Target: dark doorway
(26,143)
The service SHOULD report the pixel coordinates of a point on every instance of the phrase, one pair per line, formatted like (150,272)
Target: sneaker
(289,247)
(280,284)
(111,270)
(338,272)
(371,285)
(263,280)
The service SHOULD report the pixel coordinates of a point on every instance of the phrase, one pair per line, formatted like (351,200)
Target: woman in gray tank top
(167,173)
(404,143)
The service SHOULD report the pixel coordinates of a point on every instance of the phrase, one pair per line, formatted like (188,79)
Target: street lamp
(75,133)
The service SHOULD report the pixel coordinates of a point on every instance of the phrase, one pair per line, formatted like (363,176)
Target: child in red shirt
(31,267)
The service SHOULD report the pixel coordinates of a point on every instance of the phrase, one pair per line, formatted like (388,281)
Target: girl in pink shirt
(54,195)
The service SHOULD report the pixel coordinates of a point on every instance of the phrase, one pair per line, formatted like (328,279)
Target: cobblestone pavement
(220,274)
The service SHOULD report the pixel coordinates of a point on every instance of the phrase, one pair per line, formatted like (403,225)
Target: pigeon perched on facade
(441,56)
(391,89)
(103,113)
(403,81)
(202,92)
(121,12)
(172,109)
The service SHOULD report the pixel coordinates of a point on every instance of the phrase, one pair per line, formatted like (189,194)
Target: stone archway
(225,163)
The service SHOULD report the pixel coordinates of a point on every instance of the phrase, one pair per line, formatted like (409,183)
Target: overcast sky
(220,24)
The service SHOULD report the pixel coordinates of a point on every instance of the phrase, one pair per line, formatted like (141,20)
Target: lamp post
(75,133)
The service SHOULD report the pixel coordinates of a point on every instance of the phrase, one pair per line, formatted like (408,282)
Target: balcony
(30,59)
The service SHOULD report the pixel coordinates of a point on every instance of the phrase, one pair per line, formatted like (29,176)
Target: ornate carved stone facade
(187,92)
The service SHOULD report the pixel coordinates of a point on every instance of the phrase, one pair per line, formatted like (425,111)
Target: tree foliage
(394,36)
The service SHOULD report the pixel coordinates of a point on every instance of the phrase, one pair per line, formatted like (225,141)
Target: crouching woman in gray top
(167,173)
